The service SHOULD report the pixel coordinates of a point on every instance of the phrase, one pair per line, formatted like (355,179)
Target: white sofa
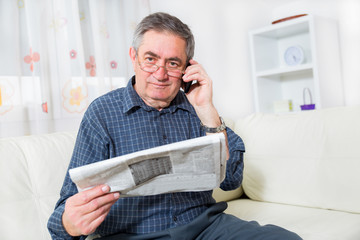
(302,172)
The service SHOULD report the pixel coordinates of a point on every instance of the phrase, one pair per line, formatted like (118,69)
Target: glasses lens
(148,67)
(174,73)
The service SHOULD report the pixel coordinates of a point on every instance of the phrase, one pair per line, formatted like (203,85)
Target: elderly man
(152,111)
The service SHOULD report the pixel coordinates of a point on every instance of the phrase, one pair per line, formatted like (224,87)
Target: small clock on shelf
(294,55)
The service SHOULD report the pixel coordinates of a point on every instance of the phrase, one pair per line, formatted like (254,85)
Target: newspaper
(192,165)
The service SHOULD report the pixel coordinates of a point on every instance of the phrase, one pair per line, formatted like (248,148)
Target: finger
(190,71)
(91,216)
(92,226)
(195,69)
(77,220)
(101,201)
(196,76)
(93,220)
(90,194)
(193,62)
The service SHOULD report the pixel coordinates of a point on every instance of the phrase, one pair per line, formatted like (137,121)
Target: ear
(132,53)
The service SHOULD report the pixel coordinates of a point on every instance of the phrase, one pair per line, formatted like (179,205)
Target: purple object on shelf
(310,106)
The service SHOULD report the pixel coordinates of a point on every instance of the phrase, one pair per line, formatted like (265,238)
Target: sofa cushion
(33,168)
(308,158)
(220,195)
(309,223)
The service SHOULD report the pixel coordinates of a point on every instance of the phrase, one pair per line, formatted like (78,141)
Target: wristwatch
(216,129)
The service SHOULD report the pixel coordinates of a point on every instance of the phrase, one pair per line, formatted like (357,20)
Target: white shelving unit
(320,71)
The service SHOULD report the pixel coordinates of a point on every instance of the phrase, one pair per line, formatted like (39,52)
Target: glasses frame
(157,68)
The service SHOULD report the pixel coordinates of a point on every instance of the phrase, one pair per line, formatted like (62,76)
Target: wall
(222,47)
(349,26)
(221,34)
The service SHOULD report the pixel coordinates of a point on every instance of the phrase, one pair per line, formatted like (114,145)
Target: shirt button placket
(173,216)
(163,133)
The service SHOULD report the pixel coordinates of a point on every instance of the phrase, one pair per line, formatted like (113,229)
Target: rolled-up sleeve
(235,163)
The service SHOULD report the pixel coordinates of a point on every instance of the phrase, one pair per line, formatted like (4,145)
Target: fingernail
(105,189)
(116,195)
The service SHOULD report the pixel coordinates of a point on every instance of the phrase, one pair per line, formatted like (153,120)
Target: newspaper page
(192,165)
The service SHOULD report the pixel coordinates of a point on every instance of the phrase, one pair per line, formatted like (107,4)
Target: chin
(162,96)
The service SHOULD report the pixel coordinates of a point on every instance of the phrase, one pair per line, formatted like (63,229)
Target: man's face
(158,89)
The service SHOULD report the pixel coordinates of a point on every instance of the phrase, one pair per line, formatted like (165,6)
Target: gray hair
(161,22)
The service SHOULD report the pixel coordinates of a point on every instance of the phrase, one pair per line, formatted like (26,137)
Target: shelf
(270,43)
(286,71)
(275,81)
(285,29)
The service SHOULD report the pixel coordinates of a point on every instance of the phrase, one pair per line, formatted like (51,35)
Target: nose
(161,73)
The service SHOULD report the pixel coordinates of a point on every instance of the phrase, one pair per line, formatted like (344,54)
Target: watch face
(294,55)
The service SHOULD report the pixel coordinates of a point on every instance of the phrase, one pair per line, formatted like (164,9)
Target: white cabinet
(275,81)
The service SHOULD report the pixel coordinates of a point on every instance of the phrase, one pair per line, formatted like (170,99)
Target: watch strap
(220,128)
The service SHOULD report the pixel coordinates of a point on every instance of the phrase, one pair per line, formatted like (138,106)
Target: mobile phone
(187,85)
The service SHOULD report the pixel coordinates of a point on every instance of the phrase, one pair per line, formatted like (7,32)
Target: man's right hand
(86,210)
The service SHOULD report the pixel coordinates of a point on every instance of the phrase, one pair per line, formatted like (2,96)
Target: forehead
(163,44)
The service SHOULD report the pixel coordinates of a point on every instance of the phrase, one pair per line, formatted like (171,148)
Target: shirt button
(164,137)
(175,218)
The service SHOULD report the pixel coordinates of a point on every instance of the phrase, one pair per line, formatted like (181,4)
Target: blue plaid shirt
(119,123)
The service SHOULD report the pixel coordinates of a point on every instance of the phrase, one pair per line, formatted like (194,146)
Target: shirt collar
(132,100)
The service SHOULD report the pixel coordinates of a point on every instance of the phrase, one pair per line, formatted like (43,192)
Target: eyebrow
(168,59)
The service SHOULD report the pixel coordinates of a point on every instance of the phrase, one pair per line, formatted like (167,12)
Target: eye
(173,65)
(149,60)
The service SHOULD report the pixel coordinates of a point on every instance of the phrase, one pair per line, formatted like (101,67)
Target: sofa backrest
(32,170)
(308,158)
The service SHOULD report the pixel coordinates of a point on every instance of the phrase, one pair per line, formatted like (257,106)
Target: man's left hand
(201,93)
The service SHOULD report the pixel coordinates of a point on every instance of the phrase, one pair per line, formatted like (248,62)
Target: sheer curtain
(57,56)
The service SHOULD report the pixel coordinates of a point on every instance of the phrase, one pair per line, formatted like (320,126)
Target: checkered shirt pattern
(120,123)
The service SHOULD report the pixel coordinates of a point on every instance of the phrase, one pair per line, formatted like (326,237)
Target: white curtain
(57,56)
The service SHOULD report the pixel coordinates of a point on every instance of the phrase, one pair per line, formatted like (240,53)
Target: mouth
(160,85)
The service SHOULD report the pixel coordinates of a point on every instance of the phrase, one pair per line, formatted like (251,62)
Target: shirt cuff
(55,226)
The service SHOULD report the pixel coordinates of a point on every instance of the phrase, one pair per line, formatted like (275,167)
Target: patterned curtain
(57,56)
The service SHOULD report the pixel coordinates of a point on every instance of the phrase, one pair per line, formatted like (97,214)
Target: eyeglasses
(171,71)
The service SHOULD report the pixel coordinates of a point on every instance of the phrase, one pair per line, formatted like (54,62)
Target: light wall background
(221,32)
